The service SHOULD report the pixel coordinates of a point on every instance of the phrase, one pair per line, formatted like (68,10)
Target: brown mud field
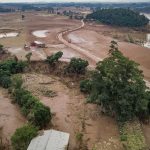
(87,126)
(10,117)
(85,123)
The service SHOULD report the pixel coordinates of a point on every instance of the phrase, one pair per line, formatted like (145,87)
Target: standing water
(40,33)
(11,34)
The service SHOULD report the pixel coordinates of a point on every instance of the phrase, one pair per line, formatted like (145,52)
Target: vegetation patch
(31,107)
(85,86)
(9,67)
(77,66)
(22,137)
(49,93)
(118,86)
(53,59)
(132,136)
(119,17)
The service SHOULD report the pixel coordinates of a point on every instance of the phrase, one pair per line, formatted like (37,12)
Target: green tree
(28,56)
(77,65)
(54,58)
(40,115)
(5,80)
(1,49)
(118,86)
(22,137)
(85,86)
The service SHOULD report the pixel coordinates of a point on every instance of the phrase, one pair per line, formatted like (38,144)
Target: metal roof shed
(50,140)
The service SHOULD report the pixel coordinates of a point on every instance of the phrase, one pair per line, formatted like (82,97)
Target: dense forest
(119,17)
(144,9)
(3,10)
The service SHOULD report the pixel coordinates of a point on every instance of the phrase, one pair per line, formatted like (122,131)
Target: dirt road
(75,47)
(79,49)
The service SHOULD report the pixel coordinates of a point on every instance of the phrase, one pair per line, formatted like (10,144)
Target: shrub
(5,80)
(17,81)
(2,51)
(20,66)
(77,65)
(28,56)
(22,137)
(13,66)
(54,58)
(36,112)
(40,115)
(85,86)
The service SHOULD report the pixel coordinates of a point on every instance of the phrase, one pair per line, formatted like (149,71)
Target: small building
(38,44)
(50,140)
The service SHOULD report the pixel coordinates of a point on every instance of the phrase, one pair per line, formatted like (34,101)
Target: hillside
(119,17)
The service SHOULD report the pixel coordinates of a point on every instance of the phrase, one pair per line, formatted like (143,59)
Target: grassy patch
(79,136)
(49,93)
(22,137)
(132,137)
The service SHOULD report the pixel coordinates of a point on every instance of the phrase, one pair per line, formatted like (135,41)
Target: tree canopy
(118,86)
(119,17)
(77,65)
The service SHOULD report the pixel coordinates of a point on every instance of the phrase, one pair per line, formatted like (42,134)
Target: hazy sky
(74,0)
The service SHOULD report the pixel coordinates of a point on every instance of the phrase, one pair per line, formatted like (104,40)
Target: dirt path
(79,49)
(75,47)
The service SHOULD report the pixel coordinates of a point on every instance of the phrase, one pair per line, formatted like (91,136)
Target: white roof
(50,140)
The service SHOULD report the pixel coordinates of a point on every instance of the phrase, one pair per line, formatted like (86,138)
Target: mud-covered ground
(71,113)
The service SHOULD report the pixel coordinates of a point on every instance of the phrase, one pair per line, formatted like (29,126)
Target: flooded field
(8,35)
(40,33)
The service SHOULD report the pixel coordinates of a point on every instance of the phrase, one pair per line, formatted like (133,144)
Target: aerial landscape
(74,75)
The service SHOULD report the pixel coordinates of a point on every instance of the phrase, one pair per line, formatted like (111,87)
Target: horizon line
(41,2)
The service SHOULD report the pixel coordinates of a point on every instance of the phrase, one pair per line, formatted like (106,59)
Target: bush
(31,107)
(77,65)
(28,56)
(5,80)
(2,51)
(22,137)
(10,67)
(85,86)
(40,115)
(54,58)
(118,86)
(13,66)
(17,81)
